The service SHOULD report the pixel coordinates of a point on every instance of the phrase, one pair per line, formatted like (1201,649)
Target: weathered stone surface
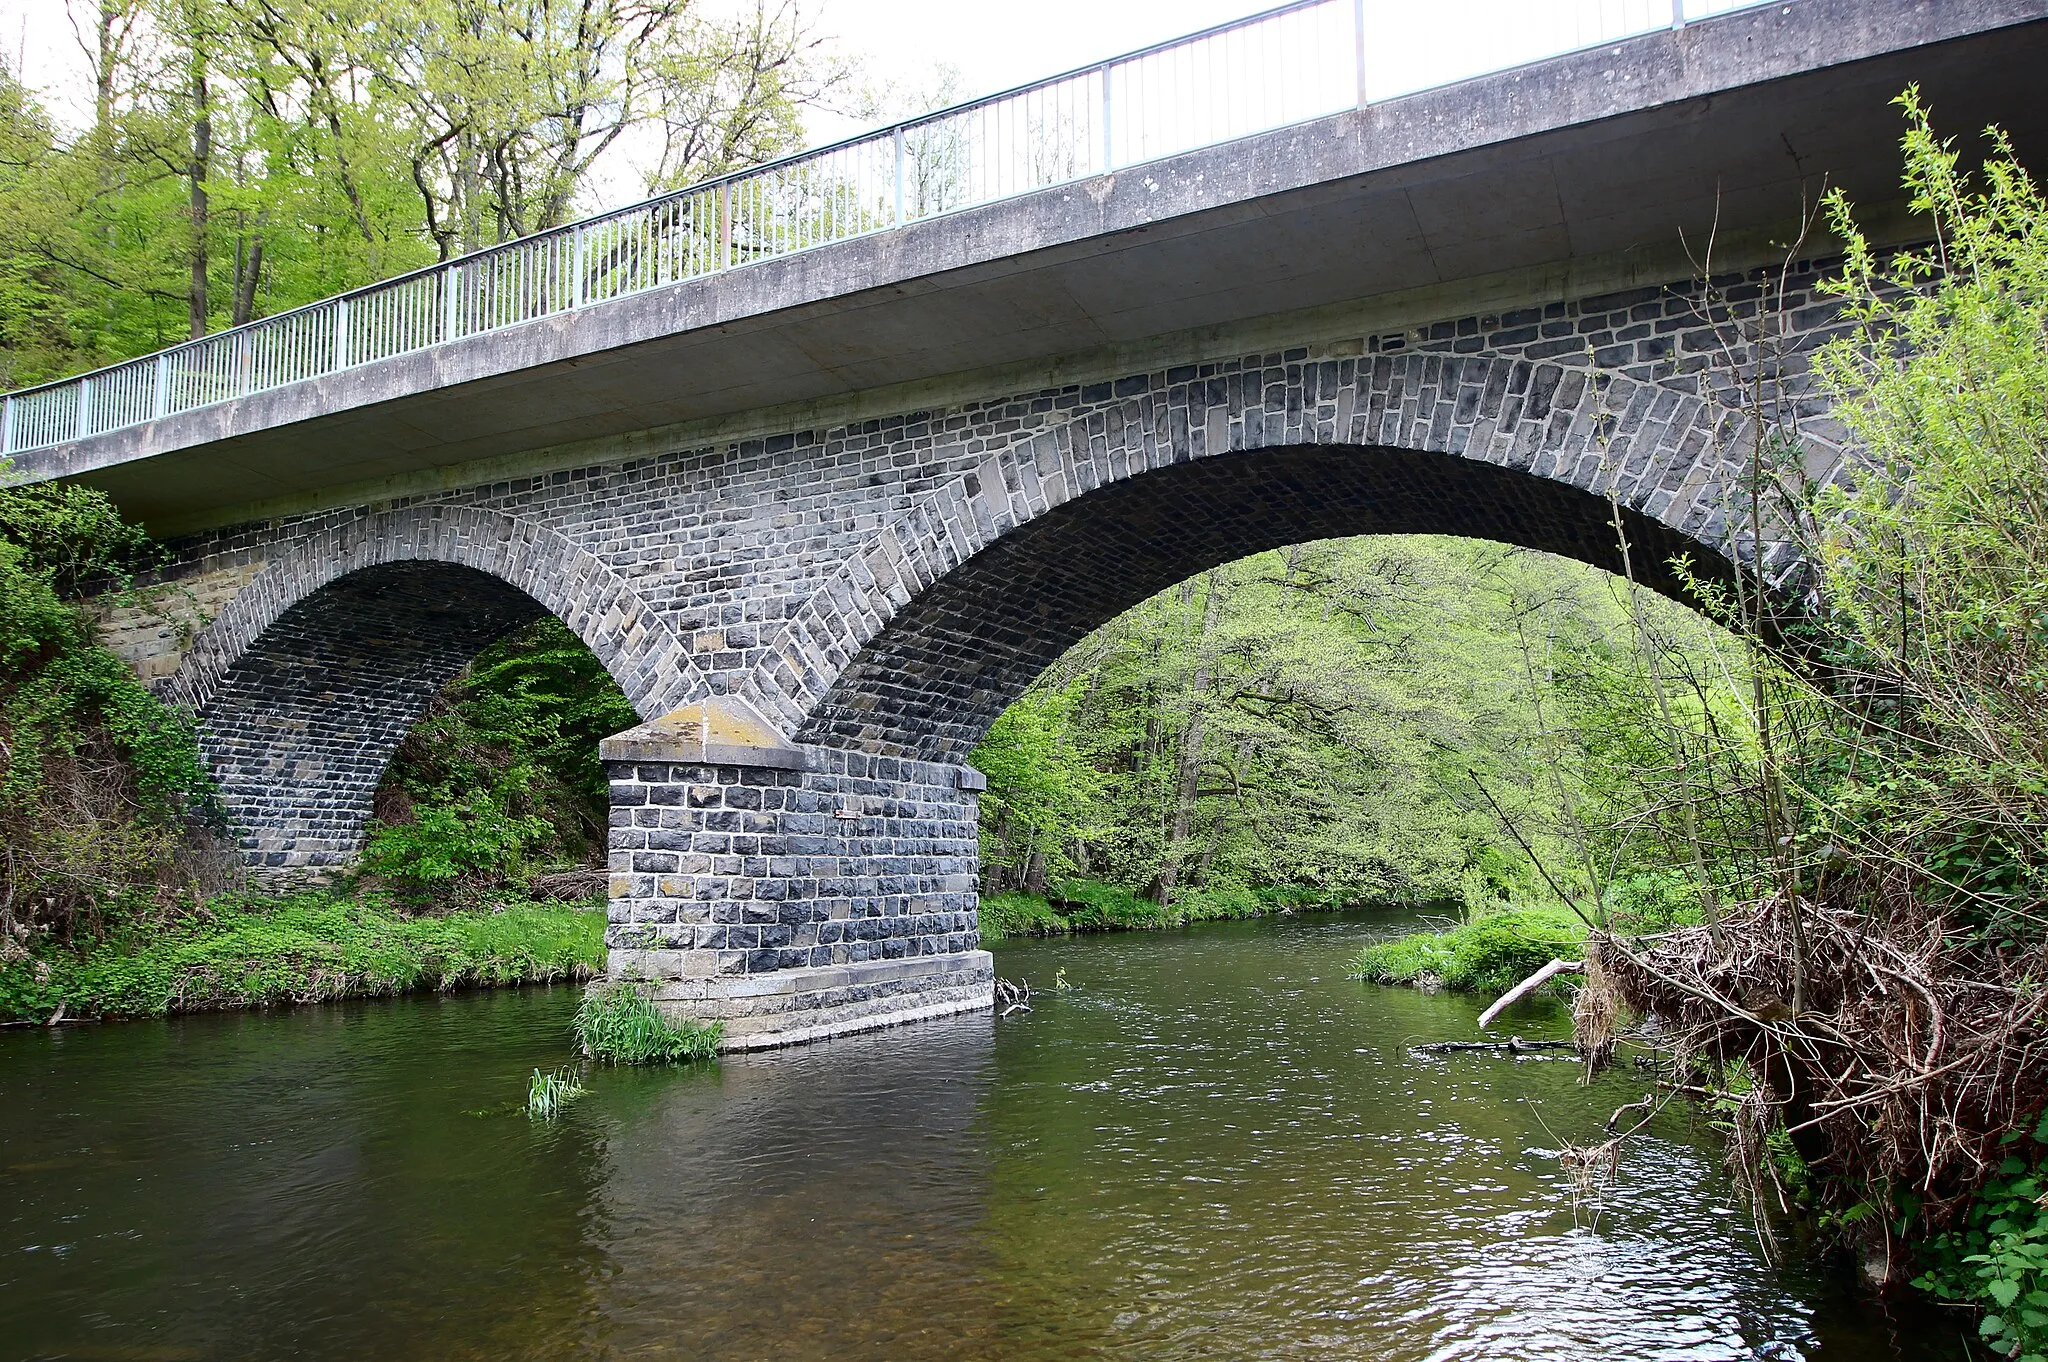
(822,624)
(723,730)
(805,1003)
(886,587)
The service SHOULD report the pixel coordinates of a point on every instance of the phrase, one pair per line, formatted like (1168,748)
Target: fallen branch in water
(1513,1045)
(1528,986)
(1013,997)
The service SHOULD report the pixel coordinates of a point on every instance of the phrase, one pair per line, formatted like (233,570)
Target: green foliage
(1343,717)
(1093,906)
(1997,1257)
(476,839)
(502,774)
(305,949)
(1933,562)
(242,159)
(548,1093)
(103,795)
(618,1025)
(1488,955)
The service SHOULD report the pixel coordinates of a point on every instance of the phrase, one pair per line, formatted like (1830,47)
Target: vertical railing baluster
(899,176)
(1358,45)
(1108,125)
(725,225)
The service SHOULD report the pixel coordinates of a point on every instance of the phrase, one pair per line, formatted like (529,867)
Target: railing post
(1358,41)
(899,176)
(84,407)
(242,364)
(578,250)
(1108,127)
(160,400)
(725,225)
(7,425)
(1677,15)
(451,290)
(341,333)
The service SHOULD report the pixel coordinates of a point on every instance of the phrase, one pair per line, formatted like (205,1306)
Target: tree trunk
(1034,869)
(202,157)
(248,271)
(1188,774)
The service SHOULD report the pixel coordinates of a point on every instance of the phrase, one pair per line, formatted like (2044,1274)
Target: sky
(903,44)
(992,45)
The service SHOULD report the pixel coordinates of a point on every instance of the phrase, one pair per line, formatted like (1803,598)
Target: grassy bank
(1092,906)
(1488,954)
(309,948)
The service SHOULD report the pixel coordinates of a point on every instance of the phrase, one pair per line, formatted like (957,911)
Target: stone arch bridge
(824,517)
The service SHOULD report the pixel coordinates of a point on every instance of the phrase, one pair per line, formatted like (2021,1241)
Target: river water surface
(1211,1144)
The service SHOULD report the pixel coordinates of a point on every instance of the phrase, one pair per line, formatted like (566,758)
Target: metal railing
(1287,65)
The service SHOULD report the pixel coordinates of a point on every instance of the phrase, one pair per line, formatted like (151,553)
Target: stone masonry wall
(729,870)
(798,571)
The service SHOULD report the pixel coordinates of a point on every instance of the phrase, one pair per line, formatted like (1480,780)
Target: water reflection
(1213,1145)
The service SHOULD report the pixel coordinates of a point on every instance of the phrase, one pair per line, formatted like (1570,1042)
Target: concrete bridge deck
(1584,173)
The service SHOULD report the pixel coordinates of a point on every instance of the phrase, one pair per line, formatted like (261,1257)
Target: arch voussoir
(1562,423)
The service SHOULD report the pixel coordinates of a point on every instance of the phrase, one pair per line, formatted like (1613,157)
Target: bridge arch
(914,646)
(313,673)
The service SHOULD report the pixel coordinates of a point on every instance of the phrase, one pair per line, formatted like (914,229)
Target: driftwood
(1528,986)
(1513,1045)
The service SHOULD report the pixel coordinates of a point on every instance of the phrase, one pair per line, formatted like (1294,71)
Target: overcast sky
(992,46)
(904,41)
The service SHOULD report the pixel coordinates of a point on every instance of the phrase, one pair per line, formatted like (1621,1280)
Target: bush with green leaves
(501,778)
(106,807)
(1997,1257)
(617,1024)
(1490,954)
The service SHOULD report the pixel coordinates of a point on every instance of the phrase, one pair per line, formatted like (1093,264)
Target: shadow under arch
(300,727)
(945,664)
(306,682)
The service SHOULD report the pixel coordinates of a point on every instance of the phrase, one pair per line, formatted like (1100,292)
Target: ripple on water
(1213,1146)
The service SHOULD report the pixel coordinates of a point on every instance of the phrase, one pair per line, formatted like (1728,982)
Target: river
(1209,1144)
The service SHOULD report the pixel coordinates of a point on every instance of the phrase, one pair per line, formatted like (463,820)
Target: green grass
(617,1024)
(309,948)
(1093,906)
(1488,955)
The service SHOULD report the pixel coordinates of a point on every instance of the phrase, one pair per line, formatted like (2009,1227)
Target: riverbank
(307,948)
(1092,906)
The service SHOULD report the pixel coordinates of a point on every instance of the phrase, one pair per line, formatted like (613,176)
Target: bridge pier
(790,892)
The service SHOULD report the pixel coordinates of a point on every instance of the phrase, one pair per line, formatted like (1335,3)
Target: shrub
(1997,1257)
(1007,915)
(1093,906)
(1489,955)
(617,1024)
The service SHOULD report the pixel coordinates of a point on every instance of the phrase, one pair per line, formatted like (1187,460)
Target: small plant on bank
(548,1093)
(1997,1257)
(617,1024)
